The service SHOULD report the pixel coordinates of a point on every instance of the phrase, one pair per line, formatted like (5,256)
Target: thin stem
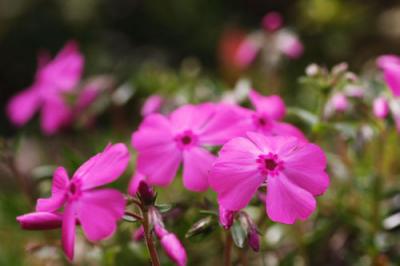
(134,215)
(149,239)
(228,249)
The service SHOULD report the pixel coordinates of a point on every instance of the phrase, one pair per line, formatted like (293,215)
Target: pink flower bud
(254,239)
(138,235)
(146,193)
(226,217)
(160,230)
(339,102)
(40,221)
(380,107)
(174,249)
(272,21)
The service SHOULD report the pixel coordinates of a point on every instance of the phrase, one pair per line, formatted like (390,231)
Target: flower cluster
(257,149)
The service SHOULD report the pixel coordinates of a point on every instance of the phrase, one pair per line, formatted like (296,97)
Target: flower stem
(228,249)
(149,239)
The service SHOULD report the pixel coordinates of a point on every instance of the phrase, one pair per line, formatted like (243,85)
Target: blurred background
(171,48)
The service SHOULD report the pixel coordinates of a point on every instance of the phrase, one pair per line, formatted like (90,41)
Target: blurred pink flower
(339,102)
(293,170)
(272,21)
(152,105)
(246,52)
(390,64)
(289,44)
(96,210)
(164,142)
(266,118)
(380,107)
(52,80)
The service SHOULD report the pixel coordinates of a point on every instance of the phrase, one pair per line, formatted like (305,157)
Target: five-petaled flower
(293,171)
(96,210)
(163,142)
(53,80)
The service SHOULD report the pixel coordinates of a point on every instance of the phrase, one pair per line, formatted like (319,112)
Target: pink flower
(390,64)
(292,170)
(289,44)
(52,80)
(272,21)
(164,142)
(152,105)
(266,118)
(96,210)
(381,107)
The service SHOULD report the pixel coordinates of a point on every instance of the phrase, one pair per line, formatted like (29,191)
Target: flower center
(74,190)
(270,164)
(186,139)
(262,121)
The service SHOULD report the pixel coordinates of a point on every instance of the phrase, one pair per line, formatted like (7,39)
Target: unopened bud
(174,249)
(146,193)
(380,107)
(254,239)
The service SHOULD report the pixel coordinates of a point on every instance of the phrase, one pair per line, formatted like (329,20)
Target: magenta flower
(97,211)
(390,64)
(52,80)
(272,21)
(152,105)
(164,142)
(380,107)
(292,170)
(266,118)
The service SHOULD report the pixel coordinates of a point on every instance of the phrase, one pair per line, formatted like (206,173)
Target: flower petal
(235,175)
(23,106)
(68,230)
(287,202)
(105,167)
(159,163)
(58,192)
(55,115)
(98,211)
(305,167)
(155,130)
(196,166)
(40,221)
(273,106)
(225,123)
(193,117)
(65,70)
(286,129)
